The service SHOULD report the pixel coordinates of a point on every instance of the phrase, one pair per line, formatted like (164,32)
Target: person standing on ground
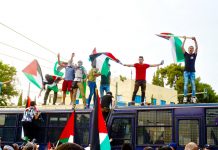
(141,77)
(69,77)
(189,72)
(107,102)
(30,115)
(105,83)
(92,75)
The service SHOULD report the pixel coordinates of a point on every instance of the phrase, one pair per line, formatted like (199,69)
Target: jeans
(92,86)
(191,76)
(104,87)
(138,83)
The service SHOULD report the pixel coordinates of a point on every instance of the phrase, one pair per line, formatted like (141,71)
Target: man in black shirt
(189,72)
(106,102)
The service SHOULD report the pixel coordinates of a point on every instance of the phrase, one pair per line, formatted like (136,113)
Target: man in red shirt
(141,77)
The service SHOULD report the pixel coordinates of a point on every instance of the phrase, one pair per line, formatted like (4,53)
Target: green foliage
(7,73)
(20,100)
(172,76)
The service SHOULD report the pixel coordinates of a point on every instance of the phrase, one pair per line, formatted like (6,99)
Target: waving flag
(67,134)
(178,55)
(34,73)
(58,70)
(101,60)
(100,139)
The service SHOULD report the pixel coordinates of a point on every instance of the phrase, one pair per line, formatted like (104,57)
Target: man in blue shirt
(189,72)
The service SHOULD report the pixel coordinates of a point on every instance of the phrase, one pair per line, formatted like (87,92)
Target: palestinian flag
(34,73)
(67,134)
(99,135)
(178,55)
(101,60)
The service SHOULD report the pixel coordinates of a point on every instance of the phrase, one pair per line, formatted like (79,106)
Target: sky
(126,28)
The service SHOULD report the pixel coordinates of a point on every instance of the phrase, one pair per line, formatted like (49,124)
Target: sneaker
(185,100)
(193,99)
(142,104)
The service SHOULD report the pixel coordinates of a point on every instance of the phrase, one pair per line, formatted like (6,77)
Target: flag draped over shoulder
(67,134)
(178,55)
(34,73)
(99,135)
(101,60)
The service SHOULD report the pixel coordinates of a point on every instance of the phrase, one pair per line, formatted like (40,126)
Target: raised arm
(128,65)
(196,45)
(156,65)
(183,44)
(71,59)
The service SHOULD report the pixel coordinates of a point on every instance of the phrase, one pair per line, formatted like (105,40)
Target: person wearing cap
(173,146)
(80,78)
(141,77)
(107,102)
(92,75)
(105,82)
(69,77)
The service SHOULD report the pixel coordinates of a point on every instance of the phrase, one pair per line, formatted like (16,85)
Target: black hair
(141,57)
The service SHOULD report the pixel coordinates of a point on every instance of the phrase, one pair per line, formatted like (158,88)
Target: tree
(172,76)
(20,100)
(7,73)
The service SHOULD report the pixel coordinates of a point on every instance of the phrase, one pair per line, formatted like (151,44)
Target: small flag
(34,73)
(178,55)
(67,134)
(100,139)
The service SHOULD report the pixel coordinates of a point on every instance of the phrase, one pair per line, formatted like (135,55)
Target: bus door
(121,130)
(189,126)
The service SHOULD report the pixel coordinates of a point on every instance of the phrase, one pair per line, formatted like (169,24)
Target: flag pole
(188,37)
(57,145)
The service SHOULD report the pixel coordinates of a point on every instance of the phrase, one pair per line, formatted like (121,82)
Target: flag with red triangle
(33,73)
(99,136)
(49,145)
(67,134)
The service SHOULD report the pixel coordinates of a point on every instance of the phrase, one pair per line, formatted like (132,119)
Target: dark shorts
(67,85)
(74,85)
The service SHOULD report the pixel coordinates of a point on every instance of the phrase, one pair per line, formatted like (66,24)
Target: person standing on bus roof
(80,78)
(92,75)
(141,77)
(105,82)
(69,77)
(189,72)
(51,82)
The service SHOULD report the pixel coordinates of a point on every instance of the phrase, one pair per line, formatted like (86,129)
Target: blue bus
(139,125)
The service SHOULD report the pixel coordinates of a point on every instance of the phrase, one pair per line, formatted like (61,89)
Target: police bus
(139,125)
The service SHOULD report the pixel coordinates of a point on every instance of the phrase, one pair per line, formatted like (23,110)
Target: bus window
(7,134)
(154,127)
(188,131)
(212,126)
(82,129)
(121,131)
(2,120)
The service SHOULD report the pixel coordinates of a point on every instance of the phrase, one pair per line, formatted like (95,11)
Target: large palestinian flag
(67,134)
(99,135)
(101,60)
(34,73)
(176,43)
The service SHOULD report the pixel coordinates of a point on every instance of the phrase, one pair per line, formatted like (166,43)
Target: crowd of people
(126,146)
